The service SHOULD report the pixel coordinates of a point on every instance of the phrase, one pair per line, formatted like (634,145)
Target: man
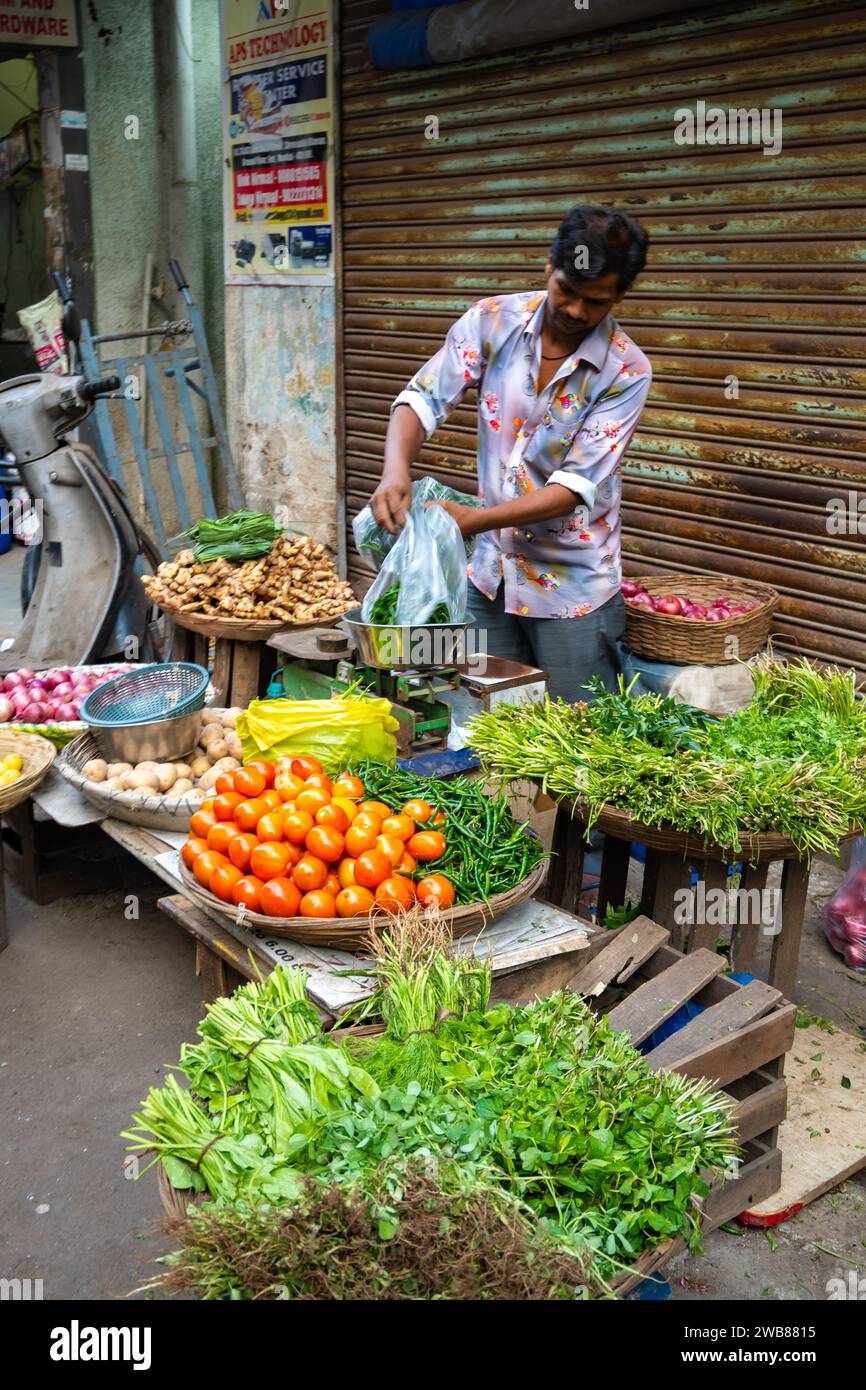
(560,391)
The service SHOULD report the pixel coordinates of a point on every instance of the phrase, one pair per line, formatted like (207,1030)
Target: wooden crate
(739,1041)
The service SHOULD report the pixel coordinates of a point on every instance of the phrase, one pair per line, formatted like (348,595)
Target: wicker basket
(350,933)
(238,629)
(152,812)
(37,755)
(688,642)
(766,845)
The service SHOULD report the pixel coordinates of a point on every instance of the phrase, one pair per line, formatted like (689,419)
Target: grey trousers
(569,649)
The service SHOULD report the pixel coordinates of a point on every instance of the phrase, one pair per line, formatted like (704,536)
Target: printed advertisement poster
(279,147)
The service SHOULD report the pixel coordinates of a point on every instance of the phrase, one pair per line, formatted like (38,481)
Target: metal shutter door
(756,271)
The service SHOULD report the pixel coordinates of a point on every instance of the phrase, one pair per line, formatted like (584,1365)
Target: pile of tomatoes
(284,840)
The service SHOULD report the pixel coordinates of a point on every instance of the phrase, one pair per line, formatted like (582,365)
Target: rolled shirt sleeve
(441,383)
(603,438)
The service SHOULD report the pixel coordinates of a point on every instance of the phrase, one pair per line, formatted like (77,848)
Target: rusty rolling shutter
(757,272)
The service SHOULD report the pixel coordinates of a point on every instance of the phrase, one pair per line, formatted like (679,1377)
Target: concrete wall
(280,347)
(23,279)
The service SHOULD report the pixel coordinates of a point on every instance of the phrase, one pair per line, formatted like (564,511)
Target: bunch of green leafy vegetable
(242,535)
(487,851)
(549,1102)
(384,610)
(793,761)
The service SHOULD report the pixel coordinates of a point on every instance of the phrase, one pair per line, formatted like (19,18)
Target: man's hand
(467,518)
(391,501)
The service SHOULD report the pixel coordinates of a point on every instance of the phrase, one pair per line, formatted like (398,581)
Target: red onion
(630,587)
(34,713)
(698,610)
(20,699)
(7,709)
(38,689)
(26,674)
(62,689)
(640,601)
(13,681)
(669,605)
(65,711)
(713,617)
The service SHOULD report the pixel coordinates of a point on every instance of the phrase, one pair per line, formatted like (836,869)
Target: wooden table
(666,874)
(240,671)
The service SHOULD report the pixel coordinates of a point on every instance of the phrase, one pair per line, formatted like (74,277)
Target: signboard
(278,141)
(38,23)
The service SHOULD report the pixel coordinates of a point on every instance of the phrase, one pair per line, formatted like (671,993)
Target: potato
(230,718)
(234,745)
(118,769)
(183,770)
(95,770)
(147,766)
(200,765)
(142,780)
(211,733)
(216,749)
(219,767)
(212,716)
(183,784)
(116,784)
(166,775)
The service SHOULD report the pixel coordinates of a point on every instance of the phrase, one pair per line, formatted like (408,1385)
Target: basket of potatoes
(156,796)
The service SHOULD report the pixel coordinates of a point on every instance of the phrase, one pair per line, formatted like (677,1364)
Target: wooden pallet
(739,1041)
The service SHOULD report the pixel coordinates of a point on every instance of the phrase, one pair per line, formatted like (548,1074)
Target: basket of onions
(706,620)
(48,702)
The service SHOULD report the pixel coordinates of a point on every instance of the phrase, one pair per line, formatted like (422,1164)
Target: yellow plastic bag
(339,731)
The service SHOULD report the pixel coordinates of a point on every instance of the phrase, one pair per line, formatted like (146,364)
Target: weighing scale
(316,663)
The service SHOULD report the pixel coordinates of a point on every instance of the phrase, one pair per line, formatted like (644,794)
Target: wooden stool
(667,873)
(239,671)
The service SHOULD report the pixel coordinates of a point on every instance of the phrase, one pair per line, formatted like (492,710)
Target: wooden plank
(749,1003)
(671,873)
(211,970)
(823,1136)
(754,1046)
(746,935)
(654,1002)
(246,661)
(565,875)
(521,956)
(762,1111)
(704,935)
(614,875)
(619,960)
(756,1180)
(222,668)
(785,954)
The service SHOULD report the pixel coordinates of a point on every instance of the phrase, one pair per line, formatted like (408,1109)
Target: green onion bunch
(241,536)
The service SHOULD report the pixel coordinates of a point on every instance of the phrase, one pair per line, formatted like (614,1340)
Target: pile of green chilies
(241,536)
(792,762)
(487,851)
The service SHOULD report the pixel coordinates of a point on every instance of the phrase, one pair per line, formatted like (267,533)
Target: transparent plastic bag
(374,542)
(428,561)
(845,914)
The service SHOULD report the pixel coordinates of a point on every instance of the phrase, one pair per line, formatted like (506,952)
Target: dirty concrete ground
(93,1003)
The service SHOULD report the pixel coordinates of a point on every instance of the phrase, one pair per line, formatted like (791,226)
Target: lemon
(9,775)
(12,760)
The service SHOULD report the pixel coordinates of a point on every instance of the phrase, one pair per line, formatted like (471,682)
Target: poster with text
(278,141)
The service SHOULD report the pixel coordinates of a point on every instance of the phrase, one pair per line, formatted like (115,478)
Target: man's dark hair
(614,241)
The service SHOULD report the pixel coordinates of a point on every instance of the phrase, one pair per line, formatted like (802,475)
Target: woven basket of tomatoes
(285,847)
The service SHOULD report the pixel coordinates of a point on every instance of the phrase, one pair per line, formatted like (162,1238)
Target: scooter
(86,603)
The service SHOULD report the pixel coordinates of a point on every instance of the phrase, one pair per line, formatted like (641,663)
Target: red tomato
(224,783)
(349,786)
(288,785)
(334,816)
(310,873)
(354,902)
(270,827)
(280,898)
(390,845)
(332,884)
(267,769)
(371,868)
(249,813)
(223,880)
(321,781)
(192,849)
(360,838)
(305,767)
(205,864)
(220,836)
(226,804)
(272,799)
(408,864)
(318,904)
(297,826)
(312,800)
(250,781)
(418,810)
(347,806)
(395,892)
(375,808)
(427,844)
(247,892)
(270,861)
(240,849)
(435,890)
(326,843)
(402,827)
(201,822)
(346,872)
